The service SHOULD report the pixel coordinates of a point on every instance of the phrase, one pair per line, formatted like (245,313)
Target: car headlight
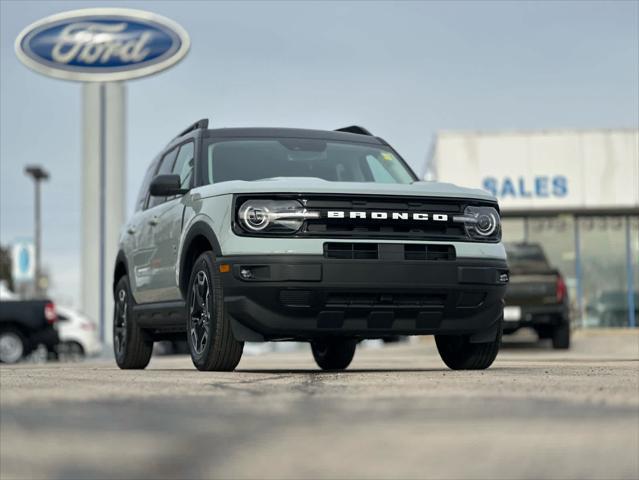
(273,216)
(482,223)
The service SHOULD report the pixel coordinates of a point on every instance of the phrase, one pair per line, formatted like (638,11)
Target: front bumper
(308,296)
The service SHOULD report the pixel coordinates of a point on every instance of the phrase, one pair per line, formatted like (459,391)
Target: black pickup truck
(25,324)
(536,296)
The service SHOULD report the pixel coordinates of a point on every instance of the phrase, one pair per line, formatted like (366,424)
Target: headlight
(273,216)
(482,223)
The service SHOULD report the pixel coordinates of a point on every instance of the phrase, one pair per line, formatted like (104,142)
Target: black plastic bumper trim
(361,298)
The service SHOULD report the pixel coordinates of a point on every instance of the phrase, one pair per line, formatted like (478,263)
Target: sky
(404,70)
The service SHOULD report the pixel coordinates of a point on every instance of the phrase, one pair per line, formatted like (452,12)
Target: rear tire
(458,353)
(334,354)
(13,346)
(132,349)
(70,351)
(561,337)
(210,338)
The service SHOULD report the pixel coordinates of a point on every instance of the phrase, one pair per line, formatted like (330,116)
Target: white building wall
(551,170)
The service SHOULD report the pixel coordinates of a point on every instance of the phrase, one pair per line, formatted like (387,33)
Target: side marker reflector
(225,268)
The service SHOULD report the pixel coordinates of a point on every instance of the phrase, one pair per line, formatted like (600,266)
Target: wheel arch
(12,325)
(199,239)
(120,268)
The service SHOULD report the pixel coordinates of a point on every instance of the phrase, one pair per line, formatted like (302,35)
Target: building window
(604,268)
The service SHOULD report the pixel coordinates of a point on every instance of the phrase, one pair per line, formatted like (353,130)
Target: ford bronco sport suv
(320,236)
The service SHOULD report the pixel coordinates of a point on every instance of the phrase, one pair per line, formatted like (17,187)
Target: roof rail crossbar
(354,129)
(200,124)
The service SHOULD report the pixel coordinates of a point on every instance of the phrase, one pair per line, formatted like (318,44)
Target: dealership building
(575,192)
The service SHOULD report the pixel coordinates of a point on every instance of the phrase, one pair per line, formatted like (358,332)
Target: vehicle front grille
(387,228)
(376,217)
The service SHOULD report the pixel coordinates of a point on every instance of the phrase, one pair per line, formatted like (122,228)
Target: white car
(78,334)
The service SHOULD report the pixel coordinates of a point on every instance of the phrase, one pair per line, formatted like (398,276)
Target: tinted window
(166,167)
(525,253)
(378,169)
(184,165)
(293,157)
(144,189)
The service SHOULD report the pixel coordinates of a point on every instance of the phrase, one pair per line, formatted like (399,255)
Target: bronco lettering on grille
(418,216)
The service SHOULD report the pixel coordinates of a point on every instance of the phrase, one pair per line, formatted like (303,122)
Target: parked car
(326,237)
(25,324)
(610,309)
(78,334)
(536,296)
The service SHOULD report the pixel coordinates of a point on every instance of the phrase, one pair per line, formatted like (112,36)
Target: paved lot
(396,413)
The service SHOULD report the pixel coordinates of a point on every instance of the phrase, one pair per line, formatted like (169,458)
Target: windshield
(293,157)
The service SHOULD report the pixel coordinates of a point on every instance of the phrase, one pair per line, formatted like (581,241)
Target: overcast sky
(403,70)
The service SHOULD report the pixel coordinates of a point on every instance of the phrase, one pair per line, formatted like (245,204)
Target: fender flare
(199,228)
(120,259)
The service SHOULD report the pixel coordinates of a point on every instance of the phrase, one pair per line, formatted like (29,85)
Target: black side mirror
(166,185)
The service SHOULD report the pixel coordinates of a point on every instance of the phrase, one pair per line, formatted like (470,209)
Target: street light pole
(38,174)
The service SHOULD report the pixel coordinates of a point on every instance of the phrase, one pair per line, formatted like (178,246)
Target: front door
(166,225)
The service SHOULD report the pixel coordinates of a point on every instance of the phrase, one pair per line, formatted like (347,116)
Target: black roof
(293,133)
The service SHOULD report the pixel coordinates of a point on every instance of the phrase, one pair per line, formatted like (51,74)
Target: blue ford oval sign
(102,44)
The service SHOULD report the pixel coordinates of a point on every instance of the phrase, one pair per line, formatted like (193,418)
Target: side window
(144,189)
(165,168)
(184,165)
(379,172)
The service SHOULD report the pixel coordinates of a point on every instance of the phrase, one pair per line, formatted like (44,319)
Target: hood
(317,185)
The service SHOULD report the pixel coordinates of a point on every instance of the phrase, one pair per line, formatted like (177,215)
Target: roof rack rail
(200,124)
(354,129)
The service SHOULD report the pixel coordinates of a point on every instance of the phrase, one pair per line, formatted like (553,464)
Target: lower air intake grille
(295,298)
(351,251)
(396,300)
(429,252)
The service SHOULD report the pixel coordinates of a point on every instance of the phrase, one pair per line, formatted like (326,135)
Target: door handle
(154,221)
(130,230)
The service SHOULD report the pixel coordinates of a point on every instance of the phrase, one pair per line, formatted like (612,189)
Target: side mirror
(166,186)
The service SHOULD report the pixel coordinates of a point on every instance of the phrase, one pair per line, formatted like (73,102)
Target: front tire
(458,353)
(209,335)
(334,354)
(132,349)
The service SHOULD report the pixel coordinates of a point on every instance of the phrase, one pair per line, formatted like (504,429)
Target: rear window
(258,159)
(525,253)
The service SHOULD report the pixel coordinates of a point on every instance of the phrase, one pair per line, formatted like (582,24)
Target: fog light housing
(246,273)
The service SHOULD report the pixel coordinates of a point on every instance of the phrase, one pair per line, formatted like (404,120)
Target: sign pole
(38,240)
(103,195)
(38,174)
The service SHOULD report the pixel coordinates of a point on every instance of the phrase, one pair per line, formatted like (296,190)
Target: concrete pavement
(397,412)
